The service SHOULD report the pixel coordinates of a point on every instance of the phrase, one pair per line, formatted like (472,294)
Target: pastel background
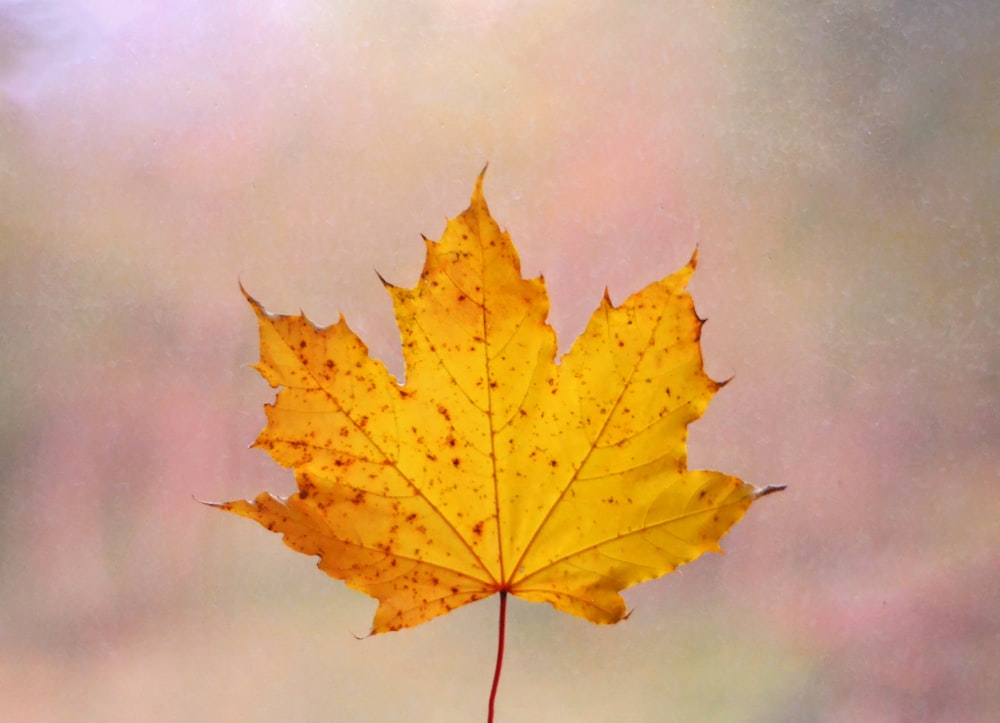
(836,163)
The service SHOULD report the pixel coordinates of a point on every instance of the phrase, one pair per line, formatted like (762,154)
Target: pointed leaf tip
(770,489)
(477,193)
(257,307)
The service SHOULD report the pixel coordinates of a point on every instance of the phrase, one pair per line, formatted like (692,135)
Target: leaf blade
(493,468)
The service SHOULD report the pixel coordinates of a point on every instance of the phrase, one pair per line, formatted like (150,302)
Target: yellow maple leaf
(493,468)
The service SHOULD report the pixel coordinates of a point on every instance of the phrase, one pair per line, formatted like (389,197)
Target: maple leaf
(493,468)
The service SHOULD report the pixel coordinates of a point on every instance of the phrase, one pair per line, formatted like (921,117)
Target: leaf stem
(500,639)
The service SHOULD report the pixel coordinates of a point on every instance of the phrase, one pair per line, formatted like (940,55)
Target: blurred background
(836,163)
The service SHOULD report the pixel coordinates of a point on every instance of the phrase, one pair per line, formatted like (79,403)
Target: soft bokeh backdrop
(838,165)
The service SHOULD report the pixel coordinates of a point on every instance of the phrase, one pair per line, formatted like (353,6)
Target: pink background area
(838,166)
